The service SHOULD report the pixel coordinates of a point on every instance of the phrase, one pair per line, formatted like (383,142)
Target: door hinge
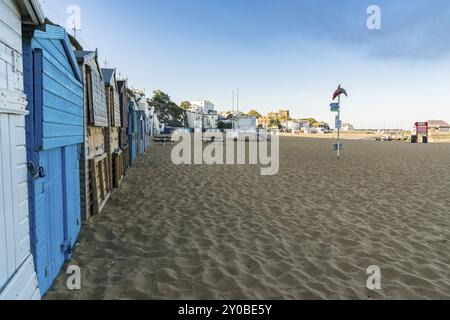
(33,170)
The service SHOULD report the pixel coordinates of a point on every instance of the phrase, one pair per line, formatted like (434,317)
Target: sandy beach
(310,232)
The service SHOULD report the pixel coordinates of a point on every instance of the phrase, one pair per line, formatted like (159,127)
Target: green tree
(185,105)
(223,126)
(275,123)
(168,111)
(254,113)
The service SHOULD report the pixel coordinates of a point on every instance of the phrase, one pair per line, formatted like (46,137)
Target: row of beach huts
(69,132)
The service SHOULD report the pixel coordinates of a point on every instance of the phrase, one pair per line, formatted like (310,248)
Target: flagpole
(339,129)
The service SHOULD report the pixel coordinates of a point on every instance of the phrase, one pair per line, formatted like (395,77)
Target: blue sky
(280,53)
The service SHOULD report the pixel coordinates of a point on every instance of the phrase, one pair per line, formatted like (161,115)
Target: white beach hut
(17,273)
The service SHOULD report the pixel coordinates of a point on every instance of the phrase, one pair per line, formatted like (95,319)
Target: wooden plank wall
(99,98)
(14,221)
(62,97)
(94,135)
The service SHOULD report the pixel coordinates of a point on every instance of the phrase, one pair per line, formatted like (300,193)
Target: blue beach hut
(55,134)
(132,127)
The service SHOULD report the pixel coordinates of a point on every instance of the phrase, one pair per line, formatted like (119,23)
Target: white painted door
(17,274)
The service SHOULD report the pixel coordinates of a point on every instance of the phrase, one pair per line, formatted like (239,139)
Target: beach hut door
(46,173)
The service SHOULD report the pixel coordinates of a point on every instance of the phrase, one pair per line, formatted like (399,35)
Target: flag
(339,91)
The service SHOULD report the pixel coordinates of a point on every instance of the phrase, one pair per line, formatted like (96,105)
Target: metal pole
(339,129)
(232,114)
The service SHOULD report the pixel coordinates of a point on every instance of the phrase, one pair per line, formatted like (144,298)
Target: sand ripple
(212,232)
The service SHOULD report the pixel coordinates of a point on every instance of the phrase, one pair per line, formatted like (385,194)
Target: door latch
(41,172)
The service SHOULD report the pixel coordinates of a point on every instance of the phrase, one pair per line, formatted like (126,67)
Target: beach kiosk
(115,121)
(422,130)
(18,279)
(94,164)
(55,135)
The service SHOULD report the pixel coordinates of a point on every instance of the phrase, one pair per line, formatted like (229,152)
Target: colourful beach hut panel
(133,128)
(112,138)
(55,134)
(18,279)
(123,133)
(94,165)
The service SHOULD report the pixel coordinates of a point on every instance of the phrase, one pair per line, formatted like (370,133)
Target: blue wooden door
(71,196)
(49,208)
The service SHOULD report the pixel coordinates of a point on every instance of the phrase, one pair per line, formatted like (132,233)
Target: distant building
(210,121)
(347,127)
(284,114)
(263,123)
(202,106)
(281,114)
(295,125)
(273,115)
(304,124)
(322,126)
(202,115)
(194,120)
(439,126)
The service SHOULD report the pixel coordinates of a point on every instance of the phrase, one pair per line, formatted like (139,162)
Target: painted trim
(38,98)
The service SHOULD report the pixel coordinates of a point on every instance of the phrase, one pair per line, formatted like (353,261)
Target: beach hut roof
(84,56)
(53,32)
(108,76)
(31,11)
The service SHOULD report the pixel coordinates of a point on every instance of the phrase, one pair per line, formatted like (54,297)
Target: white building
(202,106)
(295,126)
(347,127)
(194,121)
(202,116)
(210,121)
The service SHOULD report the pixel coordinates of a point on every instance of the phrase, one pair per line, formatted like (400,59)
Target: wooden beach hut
(141,132)
(132,127)
(17,272)
(115,122)
(94,165)
(53,84)
(123,133)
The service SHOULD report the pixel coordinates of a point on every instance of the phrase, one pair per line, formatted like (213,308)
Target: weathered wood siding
(114,139)
(117,116)
(123,134)
(98,92)
(17,273)
(94,144)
